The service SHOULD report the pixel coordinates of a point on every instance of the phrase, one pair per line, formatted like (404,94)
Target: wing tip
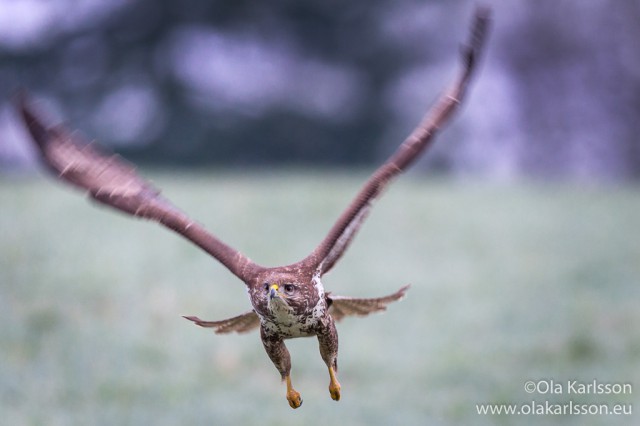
(402,292)
(190,318)
(217,328)
(479,28)
(31,118)
(193,319)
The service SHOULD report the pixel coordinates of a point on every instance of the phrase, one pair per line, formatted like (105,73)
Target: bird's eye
(266,287)
(288,288)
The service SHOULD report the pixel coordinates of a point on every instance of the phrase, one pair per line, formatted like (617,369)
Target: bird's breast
(286,323)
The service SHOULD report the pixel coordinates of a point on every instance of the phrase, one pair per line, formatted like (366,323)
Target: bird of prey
(287,301)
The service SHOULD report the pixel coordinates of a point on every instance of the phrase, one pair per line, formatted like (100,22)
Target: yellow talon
(334,385)
(293,396)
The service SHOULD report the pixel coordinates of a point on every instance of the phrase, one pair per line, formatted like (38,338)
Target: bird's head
(285,290)
(278,294)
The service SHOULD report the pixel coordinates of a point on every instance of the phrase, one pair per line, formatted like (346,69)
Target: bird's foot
(334,390)
(293,396)
(334,385)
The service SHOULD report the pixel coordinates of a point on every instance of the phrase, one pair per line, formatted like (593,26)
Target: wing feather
(342,306)
(242,323)
(114,182)
(333,246)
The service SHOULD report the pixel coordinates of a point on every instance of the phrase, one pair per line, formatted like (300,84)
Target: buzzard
(287,301)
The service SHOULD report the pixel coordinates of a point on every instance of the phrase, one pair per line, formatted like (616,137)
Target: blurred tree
(202,82)
(579,94)
(137,77)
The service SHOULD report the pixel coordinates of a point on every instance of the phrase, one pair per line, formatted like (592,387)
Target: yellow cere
(274,286)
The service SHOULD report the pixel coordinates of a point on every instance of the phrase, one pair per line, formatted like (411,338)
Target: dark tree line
(338,83)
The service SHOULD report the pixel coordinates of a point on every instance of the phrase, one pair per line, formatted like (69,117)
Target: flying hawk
(287,301)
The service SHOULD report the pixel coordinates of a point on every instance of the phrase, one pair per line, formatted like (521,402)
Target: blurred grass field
(510,283)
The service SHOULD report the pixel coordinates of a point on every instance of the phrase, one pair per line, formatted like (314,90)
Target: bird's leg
(279,355)
(328,341)
(334,385)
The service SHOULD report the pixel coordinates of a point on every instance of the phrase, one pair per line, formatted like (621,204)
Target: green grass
(510,283)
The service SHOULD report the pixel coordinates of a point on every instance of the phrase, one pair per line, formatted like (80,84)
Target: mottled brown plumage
(288,301)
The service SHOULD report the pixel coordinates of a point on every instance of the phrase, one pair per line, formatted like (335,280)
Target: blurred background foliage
(252,84)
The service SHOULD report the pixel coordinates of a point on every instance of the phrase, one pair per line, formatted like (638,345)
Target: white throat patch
(317,284)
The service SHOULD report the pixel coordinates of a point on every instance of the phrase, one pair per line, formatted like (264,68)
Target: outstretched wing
(341,234)
(341,306)
(243,323)
(114,182)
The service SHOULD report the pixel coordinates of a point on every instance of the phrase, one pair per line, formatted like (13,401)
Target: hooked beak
(276,298)
(273,291)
